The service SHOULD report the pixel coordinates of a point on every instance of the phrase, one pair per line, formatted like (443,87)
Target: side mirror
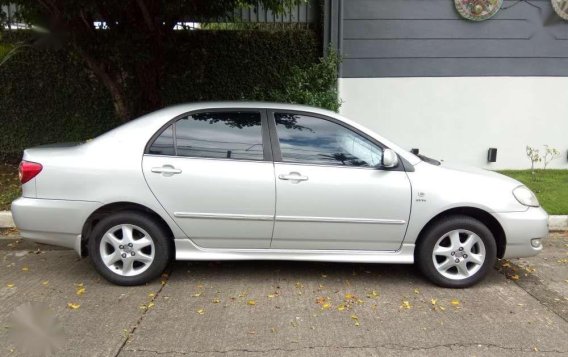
(390,158)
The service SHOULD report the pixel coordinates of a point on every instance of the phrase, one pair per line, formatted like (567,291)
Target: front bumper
(54,222)
(520,228)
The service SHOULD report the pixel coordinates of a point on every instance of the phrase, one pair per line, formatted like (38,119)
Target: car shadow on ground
(272,271)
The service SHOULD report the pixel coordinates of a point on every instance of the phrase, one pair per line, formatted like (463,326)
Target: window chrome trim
(326,165)
(339,220)
(210,158)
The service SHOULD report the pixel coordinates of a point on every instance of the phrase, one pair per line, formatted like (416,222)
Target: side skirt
(186,250)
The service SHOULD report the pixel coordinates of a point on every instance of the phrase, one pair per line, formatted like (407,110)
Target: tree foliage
(129,55)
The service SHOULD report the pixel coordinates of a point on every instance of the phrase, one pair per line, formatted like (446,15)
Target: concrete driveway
(279,308)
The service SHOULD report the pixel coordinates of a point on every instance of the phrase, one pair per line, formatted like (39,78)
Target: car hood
(482,173)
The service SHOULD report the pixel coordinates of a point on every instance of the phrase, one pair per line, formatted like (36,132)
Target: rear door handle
(167,170)
(293,176)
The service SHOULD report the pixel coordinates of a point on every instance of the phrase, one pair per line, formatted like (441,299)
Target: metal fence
(256,17)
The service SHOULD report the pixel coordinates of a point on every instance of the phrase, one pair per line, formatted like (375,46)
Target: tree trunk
(112,82)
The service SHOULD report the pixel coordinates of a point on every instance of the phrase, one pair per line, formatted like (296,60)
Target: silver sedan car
(268,181)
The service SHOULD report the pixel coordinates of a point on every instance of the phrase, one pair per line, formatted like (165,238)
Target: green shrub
(315,85)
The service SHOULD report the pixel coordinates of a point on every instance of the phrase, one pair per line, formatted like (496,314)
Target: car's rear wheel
(456,252)
(129,248)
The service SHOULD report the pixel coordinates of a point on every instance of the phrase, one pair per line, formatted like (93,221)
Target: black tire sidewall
(162,247)
(427,242)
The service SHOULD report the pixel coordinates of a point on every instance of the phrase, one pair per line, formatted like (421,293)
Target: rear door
(213,173)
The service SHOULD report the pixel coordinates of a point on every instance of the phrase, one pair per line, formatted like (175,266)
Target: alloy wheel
(127,250)
(458,254)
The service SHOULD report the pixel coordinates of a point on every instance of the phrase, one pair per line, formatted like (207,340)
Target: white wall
(458,119)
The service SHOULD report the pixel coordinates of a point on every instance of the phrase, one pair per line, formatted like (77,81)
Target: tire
(141,259)
(460,243)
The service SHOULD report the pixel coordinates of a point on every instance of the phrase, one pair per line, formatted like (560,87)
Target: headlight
(525,196)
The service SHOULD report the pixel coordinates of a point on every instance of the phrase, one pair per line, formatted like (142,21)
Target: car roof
(250,104)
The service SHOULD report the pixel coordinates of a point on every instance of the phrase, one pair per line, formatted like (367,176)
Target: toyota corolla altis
(266,181)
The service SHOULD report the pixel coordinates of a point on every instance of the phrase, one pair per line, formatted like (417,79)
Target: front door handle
(167,170)
(293,176)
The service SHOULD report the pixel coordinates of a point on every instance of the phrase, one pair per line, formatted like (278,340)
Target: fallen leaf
(341,307)
(356,319)
(434,301)
(46,282)
(416,291)
(506,264)
(405,305)
(73,306)
(251,302)
(25,269)
(10,286)
(455,302)
(321,300)
(349,296)
(514,277)
(373,294)
(151,295)
(200,311)
(326,306)
(197,294)
(80,291)
(216,301)
(150,305)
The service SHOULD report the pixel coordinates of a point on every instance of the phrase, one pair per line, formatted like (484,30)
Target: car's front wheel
(456,252)
(129,248)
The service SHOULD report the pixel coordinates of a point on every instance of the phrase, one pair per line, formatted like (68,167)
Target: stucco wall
(458,118)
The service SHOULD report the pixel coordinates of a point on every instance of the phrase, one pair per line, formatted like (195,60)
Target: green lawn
(550,186)
(9,186)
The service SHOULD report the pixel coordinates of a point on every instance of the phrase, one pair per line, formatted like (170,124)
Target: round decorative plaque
(479,10)
(561,8)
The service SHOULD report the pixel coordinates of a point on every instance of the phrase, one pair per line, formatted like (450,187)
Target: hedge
(47,95)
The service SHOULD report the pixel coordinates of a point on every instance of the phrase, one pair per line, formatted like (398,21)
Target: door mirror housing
(390,159)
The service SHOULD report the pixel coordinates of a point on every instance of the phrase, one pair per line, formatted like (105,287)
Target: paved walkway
(282,308)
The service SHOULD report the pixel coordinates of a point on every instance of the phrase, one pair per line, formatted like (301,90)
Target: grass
(550,186)
(9,186)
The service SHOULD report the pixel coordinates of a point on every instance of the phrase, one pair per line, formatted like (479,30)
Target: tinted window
(164,144)
(235,135)
(311,140)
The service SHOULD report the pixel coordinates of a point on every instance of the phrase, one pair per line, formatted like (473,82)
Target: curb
(555,223)
(558,223)
(6,220)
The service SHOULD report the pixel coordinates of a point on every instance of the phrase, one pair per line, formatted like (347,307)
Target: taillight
(28,170)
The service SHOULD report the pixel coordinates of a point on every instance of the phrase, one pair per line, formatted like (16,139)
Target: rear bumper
(54,222)
(520,228)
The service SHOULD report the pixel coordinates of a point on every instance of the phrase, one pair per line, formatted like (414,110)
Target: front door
(213,173)
(331,193)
